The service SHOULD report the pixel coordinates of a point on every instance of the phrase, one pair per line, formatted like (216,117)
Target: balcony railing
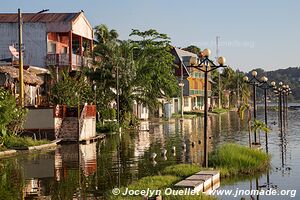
(200,92)
(64,60)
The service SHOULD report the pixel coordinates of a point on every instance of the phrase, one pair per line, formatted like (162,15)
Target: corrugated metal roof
(182,53)
(42,17)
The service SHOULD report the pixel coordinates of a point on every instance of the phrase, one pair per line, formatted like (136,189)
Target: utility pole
(181,85)
(219,73)
(21,77)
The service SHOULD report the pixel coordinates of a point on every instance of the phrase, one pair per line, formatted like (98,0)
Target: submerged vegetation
(17,142)
(157,183)
(234,159)
(11,123)
(230,159)
(182,170)
(219,110)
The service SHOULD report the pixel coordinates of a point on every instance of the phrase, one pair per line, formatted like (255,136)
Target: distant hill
(290,76)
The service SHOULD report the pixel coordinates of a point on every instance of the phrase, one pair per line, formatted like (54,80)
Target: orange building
(193,80)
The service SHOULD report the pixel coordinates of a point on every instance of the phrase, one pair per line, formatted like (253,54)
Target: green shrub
(154,182)
(11,116)
(233,159)
(16,142)
(181,170)
(108,127)
(219,110)
(158,183)
(151,182)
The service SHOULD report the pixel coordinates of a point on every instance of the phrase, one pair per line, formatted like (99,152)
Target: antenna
(14,51)
(219,78)
(217,47)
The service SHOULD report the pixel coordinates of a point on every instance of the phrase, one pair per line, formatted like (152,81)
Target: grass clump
(233,159)
(151,182)
(219,110)
(154,182)
(181,170)
(157,183)
(185,116)
(108,127)
(189,197)
(17,142)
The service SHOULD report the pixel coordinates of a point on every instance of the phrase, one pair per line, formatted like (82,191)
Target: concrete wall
(188,107)
(34,41)
(69,129)
(88,129)
(39,119)
(140,111)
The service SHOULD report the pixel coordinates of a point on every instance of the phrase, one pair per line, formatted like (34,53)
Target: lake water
(91,171)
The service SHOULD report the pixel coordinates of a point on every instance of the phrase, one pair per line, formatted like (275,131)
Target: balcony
(64,60)
(198,92)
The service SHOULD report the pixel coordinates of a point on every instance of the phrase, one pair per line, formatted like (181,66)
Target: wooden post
(80,46)
(70,49)
(21,81)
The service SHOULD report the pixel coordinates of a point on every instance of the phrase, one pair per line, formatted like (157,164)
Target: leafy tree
(155,67)
(104,35)
(71,90)
(11,115)
(233,82)
(193,49)
(144,67)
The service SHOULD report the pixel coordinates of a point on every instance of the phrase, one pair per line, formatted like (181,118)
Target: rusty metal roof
(42,17)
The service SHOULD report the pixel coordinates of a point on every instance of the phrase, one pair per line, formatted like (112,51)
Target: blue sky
(252,34)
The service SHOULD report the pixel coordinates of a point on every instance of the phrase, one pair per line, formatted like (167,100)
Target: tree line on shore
(143,66)
(140,69)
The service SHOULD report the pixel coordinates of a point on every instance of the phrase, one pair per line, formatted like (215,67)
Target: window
(64,50)
(51,47)
(186,102)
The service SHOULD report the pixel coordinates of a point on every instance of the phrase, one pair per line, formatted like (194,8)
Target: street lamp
(206,66)
(279,91)
(286,92)
(254,82)
(265,86)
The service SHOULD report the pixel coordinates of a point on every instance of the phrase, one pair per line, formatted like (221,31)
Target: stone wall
(69,128)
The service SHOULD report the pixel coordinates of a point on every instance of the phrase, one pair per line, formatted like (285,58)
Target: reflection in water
(54,175)
(86,171)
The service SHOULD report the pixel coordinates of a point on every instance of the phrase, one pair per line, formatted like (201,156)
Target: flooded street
(92,170)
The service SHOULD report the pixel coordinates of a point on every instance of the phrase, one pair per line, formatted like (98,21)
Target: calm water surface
(91,171)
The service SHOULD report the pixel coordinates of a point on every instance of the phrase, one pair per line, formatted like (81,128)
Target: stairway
(69,129)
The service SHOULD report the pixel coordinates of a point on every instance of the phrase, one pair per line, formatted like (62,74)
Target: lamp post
(206,66)
(265,86)
(286,91)
(254,82)
(279,92)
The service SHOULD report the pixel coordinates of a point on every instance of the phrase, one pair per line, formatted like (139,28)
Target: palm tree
(104,35)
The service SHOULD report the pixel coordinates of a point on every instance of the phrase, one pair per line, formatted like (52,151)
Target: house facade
(193,80)
(49,39)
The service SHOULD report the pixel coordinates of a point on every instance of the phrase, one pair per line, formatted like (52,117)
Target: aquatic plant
(233,159)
